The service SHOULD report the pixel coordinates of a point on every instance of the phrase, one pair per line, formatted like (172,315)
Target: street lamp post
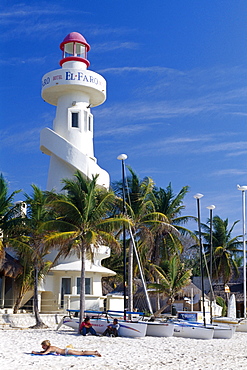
(122,158)
(243,190)
(211,257)
(198,196)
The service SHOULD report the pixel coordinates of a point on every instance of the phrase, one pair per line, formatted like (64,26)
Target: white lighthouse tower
(73,90)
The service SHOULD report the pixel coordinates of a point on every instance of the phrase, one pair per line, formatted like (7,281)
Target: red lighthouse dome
(74,48)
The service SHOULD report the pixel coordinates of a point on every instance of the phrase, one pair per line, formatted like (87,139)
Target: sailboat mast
(211,258)
(141,273)
(244,250)
(243,189)
(198,197)
(122,157)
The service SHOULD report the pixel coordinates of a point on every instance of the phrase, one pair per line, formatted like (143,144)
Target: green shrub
(221,302)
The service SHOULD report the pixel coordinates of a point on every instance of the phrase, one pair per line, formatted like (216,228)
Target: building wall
(52,298)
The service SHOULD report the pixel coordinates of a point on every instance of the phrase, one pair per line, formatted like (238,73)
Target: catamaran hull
(195,332)
(132,329)
(159,329)
(242,326)
(126,329)
(226,321)
(223,332)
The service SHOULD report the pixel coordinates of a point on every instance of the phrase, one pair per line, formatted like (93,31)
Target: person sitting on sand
(86,327)
(46,345)
(112,329)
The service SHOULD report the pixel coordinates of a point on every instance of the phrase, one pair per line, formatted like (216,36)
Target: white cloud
(23,10)
(151,69)
(18,61)
(244,114)
(106,47)
(48,20)
(196,145)
(185,145)
(238,153)
(147,111)
(225,146)
(23,141)
(229,172)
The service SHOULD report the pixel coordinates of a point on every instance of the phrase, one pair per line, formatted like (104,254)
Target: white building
(60,290)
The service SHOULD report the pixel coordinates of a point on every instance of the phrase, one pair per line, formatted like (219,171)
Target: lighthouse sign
(82,76)
(84,80)
(73,75)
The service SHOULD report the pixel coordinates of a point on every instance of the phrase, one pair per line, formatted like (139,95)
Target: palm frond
(60,238)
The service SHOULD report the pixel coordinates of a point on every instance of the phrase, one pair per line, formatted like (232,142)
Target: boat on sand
(131,329)
(159,329)
(188,330)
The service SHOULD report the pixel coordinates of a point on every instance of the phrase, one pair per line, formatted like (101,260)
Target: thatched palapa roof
(10,267)
(188,290)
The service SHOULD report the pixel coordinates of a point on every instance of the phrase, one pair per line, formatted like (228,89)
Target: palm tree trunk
(169,303)
(39,323)
(82,287)
(157,313)
(158,297)
(18,302)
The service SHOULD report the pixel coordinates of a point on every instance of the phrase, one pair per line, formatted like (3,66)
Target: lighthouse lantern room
(74,47)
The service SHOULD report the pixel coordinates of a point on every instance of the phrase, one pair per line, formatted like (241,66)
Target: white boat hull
(226,321)
(132,329)
(192,331)
(242,325)
(126,329)
(224,331)
(160,329)
(71,322)
(221,331)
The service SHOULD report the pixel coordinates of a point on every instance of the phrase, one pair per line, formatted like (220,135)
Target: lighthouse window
(75,119)
(87,285)
(68,49)
(90,122)
(80,51)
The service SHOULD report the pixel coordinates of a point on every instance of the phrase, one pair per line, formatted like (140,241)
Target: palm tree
(171,281)
(166,242)
(7,214)
(25,281)
(30,246)
(225,248)
(171,205)
(141,211)
(83,219)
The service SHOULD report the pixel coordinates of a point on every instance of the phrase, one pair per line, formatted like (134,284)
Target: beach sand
(121,353)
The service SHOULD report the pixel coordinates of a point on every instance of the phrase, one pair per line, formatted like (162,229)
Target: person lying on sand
(46,345)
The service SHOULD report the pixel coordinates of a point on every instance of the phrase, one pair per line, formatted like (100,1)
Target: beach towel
(57,354)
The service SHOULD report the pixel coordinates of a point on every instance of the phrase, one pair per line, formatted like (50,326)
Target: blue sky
(176,97)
